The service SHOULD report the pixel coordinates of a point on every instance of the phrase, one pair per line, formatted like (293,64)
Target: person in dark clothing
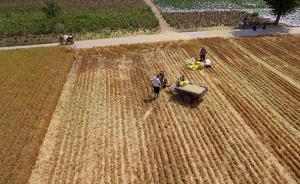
(254,23)
(163,79)
(202,54)
(245,21)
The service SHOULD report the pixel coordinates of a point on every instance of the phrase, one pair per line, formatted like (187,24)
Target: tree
(282,7)
(52,8)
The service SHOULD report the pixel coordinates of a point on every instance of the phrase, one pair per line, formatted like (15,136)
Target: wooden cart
(190,92)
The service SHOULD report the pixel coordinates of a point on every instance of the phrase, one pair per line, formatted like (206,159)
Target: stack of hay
(183,83)
(194,65)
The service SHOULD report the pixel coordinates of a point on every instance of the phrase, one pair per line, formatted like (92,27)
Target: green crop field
(210,4)
(24,23)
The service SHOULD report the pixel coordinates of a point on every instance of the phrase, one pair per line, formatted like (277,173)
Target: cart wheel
(187,99)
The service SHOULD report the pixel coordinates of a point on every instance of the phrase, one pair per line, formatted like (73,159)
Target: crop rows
(31,5)
(190,20)
(210,4)
(276,54)
(246,130)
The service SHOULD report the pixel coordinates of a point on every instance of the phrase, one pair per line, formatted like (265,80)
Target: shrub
(254,14)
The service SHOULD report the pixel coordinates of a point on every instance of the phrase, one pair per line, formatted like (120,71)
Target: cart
(190,92)
(68,41)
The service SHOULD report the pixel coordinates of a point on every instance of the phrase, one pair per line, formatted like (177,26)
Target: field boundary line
(48,146)
(269,67)
(29,46)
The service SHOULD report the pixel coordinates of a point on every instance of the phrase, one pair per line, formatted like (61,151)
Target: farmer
(65,38)
(202,54)
(163,79)
(180,79)
(254,23)
(245,21)
(156,85)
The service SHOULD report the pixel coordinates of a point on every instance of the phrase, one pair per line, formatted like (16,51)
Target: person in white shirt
(156,85)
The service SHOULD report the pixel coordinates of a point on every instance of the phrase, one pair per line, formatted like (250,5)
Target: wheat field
(31,81)
(246,130)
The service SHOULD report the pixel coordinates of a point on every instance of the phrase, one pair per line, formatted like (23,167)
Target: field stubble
(191,21)
(245,131)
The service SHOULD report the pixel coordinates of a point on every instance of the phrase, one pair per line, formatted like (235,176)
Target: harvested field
(190,21)
(30,85)
(246,130)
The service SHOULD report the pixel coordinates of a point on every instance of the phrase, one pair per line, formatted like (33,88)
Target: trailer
(190,92)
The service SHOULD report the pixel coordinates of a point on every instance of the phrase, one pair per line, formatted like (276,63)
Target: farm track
(246,130)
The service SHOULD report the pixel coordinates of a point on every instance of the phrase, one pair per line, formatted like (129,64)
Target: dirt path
(170,36)
(164,26)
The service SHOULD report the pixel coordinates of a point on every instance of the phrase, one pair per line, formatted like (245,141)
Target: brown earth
(30,86)
(246,130)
